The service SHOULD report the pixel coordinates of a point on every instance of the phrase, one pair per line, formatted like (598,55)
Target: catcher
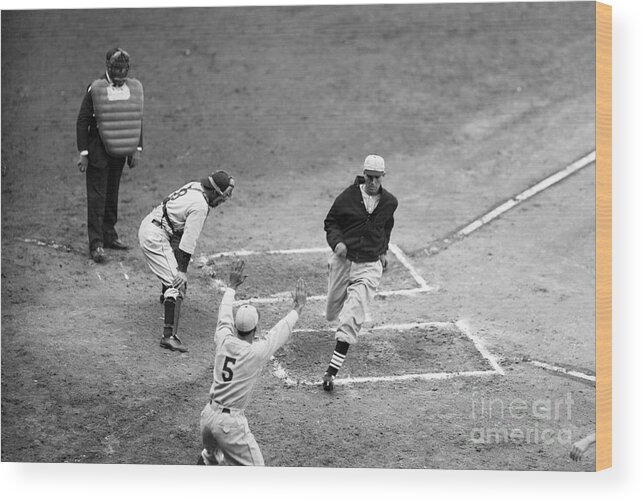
(168,237)
(238,362)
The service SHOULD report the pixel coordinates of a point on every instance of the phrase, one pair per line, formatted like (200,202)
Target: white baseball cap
(374,165)
(246,318)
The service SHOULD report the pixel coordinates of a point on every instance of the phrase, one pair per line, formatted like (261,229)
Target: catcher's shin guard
(177,313)
(172,312)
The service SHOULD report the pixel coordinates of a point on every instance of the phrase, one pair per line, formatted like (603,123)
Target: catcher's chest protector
(119,115)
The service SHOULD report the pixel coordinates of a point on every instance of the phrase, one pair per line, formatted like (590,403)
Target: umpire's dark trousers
(103,181)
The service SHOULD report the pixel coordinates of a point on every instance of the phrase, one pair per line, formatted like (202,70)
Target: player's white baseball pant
(351,288)
(158,254)
(227,439)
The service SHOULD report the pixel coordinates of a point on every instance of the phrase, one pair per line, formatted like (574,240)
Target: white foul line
(50,244)
(464,328)
(562,370)
(547,182)
(405,262)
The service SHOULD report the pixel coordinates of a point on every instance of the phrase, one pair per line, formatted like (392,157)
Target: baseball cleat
(173,343)
(98,255)
(328,382)
(200,461)
(117,245)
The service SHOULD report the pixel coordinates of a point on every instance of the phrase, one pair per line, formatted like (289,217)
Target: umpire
(109,134)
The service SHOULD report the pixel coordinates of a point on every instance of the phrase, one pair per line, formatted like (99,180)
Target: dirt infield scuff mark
(112,441)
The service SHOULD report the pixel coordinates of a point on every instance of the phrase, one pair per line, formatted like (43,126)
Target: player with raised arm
(239,357)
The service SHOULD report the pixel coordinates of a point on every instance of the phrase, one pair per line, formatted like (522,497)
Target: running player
(238,362)
(358,230)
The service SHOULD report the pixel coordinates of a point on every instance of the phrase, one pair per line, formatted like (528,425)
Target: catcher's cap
(374,165)
(217,181)
(246,318)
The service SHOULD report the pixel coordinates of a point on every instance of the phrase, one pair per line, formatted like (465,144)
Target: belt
(225,410)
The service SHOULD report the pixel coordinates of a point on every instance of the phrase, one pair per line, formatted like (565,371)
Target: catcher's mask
(117,65)
(220,185)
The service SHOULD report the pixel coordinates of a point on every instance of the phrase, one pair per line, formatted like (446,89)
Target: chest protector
(119,115)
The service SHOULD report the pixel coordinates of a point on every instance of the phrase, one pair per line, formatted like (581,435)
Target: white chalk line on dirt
(281,296)
(123,271)
(572,168)
(50,244)
(531,191)
(562,370)
(287,296)
(281,373)
(392,326)
(246,253)
(464,328)
(406,263)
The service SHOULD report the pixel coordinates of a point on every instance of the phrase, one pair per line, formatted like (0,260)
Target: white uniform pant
(351,288)
(158,253)
(227,439)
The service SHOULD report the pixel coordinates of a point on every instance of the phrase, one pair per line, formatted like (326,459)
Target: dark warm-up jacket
(366,236)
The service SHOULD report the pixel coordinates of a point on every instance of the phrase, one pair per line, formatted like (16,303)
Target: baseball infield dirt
(469,105)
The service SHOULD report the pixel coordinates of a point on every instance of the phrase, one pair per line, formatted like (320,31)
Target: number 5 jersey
(237,363)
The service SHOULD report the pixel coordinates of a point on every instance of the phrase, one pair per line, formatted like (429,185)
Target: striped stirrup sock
(336,362)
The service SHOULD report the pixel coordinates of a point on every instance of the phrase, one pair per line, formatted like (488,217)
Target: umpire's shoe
(328,382)
(117,244)
(173,343)
(98,255)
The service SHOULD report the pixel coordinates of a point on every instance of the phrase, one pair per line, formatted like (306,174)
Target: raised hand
(300,295)
(236,274)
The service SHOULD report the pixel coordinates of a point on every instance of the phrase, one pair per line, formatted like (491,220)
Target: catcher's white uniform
(237,365)
(186,209)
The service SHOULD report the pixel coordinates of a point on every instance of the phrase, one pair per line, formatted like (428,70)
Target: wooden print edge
(603,236)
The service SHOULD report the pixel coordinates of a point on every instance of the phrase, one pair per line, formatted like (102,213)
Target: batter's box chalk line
(422,286)
(281,373)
